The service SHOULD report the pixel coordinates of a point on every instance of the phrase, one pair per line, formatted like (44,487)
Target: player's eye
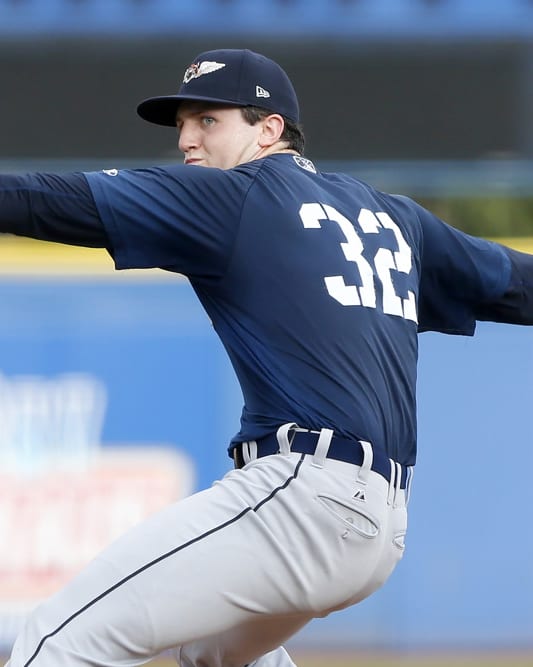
(208,121)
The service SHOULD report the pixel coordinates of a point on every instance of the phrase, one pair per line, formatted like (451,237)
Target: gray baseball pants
(223,578)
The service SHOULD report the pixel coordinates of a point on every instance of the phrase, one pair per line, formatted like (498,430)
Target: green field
(403,660)
(414,660)
(390,660)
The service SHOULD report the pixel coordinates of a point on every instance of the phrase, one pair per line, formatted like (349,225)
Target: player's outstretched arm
(51,207)
(515,306)
(465,279)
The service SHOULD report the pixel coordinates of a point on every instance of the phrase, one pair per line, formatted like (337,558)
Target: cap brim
(163,110)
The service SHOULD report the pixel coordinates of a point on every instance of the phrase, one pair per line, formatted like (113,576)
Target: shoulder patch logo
(110,172)
(359,495)
(261,92)
(304,163)
(199,69)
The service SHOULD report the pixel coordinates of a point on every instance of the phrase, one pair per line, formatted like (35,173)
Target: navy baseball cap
(237,77)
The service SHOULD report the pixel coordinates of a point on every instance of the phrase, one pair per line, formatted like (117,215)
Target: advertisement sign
(110,408)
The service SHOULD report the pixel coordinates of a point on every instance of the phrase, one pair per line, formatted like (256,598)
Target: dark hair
(292,132)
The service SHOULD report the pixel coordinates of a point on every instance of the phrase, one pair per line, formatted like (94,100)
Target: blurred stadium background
(114,395)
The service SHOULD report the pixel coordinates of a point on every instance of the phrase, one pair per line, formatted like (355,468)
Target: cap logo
(261,92)
(198,69)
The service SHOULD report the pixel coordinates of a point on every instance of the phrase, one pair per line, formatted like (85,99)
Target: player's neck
(275,149)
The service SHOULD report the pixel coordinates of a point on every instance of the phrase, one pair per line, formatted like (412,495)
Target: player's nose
(187,138)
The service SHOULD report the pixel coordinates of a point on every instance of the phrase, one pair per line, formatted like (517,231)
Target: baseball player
(317,285)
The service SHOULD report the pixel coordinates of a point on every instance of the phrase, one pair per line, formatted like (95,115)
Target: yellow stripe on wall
(21,256)
(27,257)
(522,243)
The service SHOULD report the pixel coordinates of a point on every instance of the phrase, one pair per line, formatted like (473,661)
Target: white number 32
(385,260)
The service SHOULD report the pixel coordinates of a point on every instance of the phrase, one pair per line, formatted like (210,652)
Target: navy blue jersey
(316,283)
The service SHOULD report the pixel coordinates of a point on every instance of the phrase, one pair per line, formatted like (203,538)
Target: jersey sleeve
(515,306)
(461,278)
(50,207)
(180,218)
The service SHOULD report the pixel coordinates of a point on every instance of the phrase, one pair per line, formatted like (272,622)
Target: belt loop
(397,484)
(245,449)
(322,447)
(252,450)
(392,483)
(282,435)
(410,473)
(366,466)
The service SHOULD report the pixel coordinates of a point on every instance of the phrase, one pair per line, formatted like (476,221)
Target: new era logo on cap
(233,76)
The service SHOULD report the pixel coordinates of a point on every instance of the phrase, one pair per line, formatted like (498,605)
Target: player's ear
(272,127)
